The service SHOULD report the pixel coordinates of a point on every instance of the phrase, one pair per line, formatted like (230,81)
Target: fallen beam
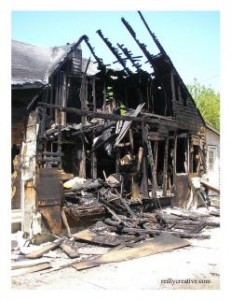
(156,232)
(210,186)
(100,238)
(164,242)
(91,114)
(30,269)
(44,249)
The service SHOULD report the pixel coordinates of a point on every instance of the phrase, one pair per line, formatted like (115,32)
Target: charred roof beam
(134,59)
(155,39)
(150,57)
(164,54)
(101,65)
(115,52)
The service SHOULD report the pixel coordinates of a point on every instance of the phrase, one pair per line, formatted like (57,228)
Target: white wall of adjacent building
(213,156)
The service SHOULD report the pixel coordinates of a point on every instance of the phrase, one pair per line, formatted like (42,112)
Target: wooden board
(127,124)
(210,186)
(101,238)
(27,263)
(30,269)
(44,249)
(70,249)
(161,243)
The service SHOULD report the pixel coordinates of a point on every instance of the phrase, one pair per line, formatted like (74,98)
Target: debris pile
(117,237)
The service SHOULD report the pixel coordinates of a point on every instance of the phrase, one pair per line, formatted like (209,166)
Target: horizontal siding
(187,117)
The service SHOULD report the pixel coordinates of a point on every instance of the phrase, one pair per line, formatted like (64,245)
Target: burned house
(122,134)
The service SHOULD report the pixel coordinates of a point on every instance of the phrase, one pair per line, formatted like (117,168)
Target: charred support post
(165,167)
(82,171)
(93,165)
(59,150)
(152,164)
(155,150)
(63,98)
(188,154)
(60,97)
(93,93)
(144,183)
(31,224)
(93,153)
(83,92)
(174,161)
(117,159)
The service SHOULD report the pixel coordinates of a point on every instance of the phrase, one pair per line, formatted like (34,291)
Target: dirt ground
(196,267)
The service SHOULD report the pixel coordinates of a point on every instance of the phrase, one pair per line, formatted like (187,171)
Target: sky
(190,38)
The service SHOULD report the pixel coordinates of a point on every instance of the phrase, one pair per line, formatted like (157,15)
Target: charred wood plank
(210,186)
(109,205)
(155,232)
(152,164)
(90,114)
(101,238)
(144,181)
(160,244)
(30,269)
(124,202)
(127,124)
(165,167)
(69,248)
(44,249)
(65,222)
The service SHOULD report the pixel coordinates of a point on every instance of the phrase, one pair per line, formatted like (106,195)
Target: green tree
(207,101)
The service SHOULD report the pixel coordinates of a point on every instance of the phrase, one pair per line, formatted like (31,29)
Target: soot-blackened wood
(154,232)
(93,154)
(151,160)
(82,169)
(155,150)
(173,89)
(144,182)
(90,114)
(127,124)
(44,249)
(117,166)
(101,238)
(174,161)
(65,222)
(93,165)
(165,167)
(165,242)
(124,202)
(69,248)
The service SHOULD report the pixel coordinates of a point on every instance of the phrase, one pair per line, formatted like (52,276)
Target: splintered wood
(120,238)
(44,249)
(101,238)
(164,242)
(21,269)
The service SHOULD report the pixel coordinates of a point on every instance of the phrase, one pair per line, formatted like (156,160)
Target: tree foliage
(207,101)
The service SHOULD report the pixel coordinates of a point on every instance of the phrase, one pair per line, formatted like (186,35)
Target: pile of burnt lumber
(105,200)
(119,238)
(125,229)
